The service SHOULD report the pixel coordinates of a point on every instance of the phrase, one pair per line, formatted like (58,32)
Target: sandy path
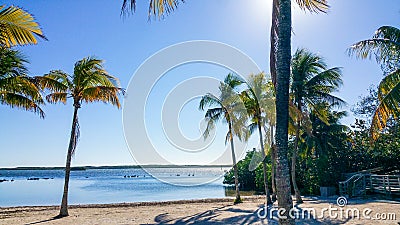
(215,211)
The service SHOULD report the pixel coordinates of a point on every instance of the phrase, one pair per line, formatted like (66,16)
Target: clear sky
(77,29)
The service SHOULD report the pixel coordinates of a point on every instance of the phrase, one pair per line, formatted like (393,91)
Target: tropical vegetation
(385,46)
(312,84)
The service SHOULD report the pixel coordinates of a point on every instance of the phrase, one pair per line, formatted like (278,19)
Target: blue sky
(77,29)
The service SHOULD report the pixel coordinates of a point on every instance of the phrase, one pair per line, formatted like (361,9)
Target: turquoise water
(110,185)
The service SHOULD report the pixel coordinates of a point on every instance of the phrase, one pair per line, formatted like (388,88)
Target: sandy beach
(207,211)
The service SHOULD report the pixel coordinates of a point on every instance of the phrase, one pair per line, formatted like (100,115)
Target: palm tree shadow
(45,221)
(240,216)
(212,217)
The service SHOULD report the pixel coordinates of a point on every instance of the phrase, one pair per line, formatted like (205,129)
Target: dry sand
(208,211)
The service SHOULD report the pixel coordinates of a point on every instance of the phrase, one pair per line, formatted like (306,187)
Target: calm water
(109,185)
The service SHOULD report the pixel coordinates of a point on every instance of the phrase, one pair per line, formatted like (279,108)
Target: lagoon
(102,186)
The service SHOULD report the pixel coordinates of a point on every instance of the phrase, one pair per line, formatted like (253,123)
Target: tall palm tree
(16,88)
(228,107)
(89,83)
(283,55)
(312,84)
(280,66)
(18,27)
(385,46)
(257,99)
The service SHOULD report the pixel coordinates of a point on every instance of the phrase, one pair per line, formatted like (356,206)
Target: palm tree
(283,55)
(18,27)
(229,107)
(89,83)
(312,84)
(16,88)
(385,45)
(257,99)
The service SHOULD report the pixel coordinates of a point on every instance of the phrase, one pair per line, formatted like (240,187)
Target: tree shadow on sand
(45,221)
(229,215)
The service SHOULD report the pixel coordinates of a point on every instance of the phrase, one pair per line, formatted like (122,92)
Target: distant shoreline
(77,168)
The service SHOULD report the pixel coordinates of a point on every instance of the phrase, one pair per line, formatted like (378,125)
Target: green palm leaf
(384,45)
(16,88)
(157,8)
(389,100)
(18,27)
(313,5)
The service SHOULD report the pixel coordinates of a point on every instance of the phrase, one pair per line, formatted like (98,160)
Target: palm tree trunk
(294,159)
(283,54)
(267,197)
(235,169)
(273,149)
(72,142)
(273,40)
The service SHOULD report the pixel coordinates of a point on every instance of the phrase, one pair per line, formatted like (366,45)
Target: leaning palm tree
(89,83)
(227,106)
(257,99)
(312,84)
(16,88)
(385,46)
(18,27)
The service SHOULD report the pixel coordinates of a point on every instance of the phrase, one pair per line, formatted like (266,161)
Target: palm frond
(252,127)
(209,100)
(75,139)
(314,6)
(227,137)
(20,101)
(102,94)
(209,127)
(233,81)
(332,76)
(12,63)
(389,96)
(18,27)
(57,97)
(55,81)
(384,45)
(158,8)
